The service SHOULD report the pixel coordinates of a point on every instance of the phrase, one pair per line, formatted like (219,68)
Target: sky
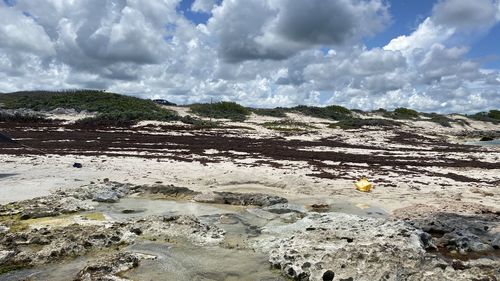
(430,55)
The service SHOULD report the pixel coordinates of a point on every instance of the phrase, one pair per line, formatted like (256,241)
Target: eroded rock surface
(458,229)
(244,199)
(334,246)
(48,244)
(109,267)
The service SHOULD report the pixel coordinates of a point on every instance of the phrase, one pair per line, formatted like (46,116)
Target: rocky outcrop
(167,191)
(49,244)
(458,228)
(244,199)
(109,267)
(334,246)
(47,206)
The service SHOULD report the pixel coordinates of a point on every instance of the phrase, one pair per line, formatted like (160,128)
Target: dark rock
(328,275)
(458,265)
(77,165)
(320,208)
(284,208)
(107,268)
(255,199)
(41,212)
(168,191)
(136,231)
(487,138)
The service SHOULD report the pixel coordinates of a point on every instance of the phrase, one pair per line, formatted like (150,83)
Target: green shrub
(112,109)
(90,100)
(402,113)
(357,123)
(273,112)
(494,114)
(288,125)
(334,112)
(198,123)
(127,118)
(491,116)
(221,110)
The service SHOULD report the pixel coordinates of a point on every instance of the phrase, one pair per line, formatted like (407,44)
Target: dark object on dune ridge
(164,102)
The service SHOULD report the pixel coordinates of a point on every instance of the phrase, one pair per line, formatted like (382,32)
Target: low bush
(90,100)
(127,118)
(221,110)
(334,112)
(402,113)
(288,125)
(273,112)
(492,116)
(357,123)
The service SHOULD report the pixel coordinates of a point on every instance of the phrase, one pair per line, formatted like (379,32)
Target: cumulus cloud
(259,29)
(257,52)
(20,32)
(203,6)
(466,15)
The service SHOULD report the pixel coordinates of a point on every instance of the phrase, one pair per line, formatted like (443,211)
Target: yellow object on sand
(364,185)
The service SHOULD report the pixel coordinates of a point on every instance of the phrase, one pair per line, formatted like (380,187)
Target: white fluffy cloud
(465,14)
(260,29)
(256,52)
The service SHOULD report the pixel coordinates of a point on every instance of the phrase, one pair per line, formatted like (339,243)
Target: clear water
(6,175)
(189,263)
(183,260)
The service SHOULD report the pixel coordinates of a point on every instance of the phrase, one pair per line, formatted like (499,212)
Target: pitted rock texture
(108,268)
(338,246)
(244,199)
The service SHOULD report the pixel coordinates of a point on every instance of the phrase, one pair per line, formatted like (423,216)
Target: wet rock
(457,226)
(255,199)
(169,191)
(106,197)
(284,208)
(44,245)
(39,212)
(319,208)
(181,227)
(109,267)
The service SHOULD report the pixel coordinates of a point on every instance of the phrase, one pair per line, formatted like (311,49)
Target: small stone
(328,275)
(77,165)
(136,231)
(458,265)
(3,228)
